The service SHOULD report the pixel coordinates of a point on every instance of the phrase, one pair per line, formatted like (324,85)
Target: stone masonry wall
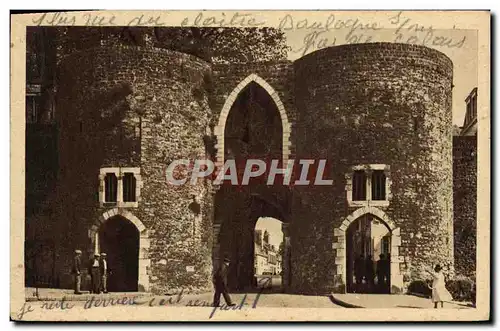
(374,104)
(140,107)
(465,203)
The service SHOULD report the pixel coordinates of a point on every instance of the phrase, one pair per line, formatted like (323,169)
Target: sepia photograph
(228,163)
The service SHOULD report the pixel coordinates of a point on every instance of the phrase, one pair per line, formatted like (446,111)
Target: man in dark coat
(388,269)
(103,271)
(369,272)
(95,275)
(381,272)
(359,271)
(220,284)
(77,271)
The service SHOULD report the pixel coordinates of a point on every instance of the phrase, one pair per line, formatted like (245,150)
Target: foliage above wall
(216,45)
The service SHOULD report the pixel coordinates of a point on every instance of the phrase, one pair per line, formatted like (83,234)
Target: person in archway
(370,273)
(95,275)
(381,273)
(220,284)
(387,273)
(77,271)
(359,271)
(103,271)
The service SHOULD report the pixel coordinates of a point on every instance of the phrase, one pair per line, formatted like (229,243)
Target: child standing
(439,291)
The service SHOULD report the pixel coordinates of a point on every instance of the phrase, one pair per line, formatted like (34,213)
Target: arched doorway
(368,243)
(252,81)
(340,237)
(253,128)
(236,215)
(252,125)
(119,239)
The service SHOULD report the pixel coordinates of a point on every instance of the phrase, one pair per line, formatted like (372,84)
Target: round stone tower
(130,111)
(380,113)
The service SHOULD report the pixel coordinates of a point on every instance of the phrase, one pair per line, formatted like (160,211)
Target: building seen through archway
(268,253)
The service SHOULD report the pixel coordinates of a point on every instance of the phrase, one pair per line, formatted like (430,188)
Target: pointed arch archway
(340,245)
(144,262)
(221,125)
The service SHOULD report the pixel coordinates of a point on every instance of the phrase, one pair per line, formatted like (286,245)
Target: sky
(463,53)
(273,226)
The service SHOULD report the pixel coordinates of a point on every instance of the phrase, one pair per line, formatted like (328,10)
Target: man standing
(103,270)
(95,274)
(381,273)
(370,273)
(387,273)
(359,272)
(220,284)
(77,271)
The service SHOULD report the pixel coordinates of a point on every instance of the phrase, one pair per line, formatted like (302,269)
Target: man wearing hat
(95,277)
(77,271)
(220,283)
(103,270)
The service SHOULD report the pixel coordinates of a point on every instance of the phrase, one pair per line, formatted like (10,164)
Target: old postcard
(250,166)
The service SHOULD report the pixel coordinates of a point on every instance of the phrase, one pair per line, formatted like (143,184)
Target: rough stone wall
(465,203)
(374,104)
(141,107)
(40,179)
(41,168)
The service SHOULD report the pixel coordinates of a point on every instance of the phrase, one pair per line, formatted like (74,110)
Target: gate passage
(368,256)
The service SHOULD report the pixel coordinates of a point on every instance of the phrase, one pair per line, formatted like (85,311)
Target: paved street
(263,300)
(247,300)
(390,301)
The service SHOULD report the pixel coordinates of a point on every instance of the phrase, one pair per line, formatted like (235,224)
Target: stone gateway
(379,113)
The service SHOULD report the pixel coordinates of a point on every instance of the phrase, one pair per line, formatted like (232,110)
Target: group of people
(97,269)
(365,272)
